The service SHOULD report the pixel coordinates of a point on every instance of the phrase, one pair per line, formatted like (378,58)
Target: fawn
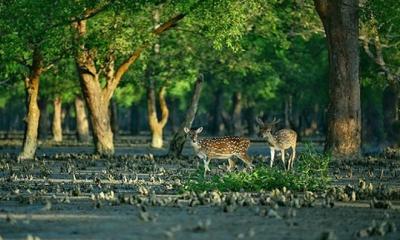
(280,140)
(219,148)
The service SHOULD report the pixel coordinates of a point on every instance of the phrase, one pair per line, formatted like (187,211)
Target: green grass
(310,173)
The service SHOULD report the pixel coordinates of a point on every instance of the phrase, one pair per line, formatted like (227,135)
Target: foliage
(378,32)
(269,51)
(311,173)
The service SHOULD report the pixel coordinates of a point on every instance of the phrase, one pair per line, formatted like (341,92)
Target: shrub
(310,173)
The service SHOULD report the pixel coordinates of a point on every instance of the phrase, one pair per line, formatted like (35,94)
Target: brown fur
(220,148)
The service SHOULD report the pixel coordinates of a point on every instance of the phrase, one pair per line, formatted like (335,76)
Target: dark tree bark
(217,121)
(82,122)
(174,118)
(57,120)
(114,118)
(237,114)
(179,138)
(288,111)
(373,129)
(340,20)
(391,112)
(250,116)
(135,119)
(313,124)
(67,119)
(226,125)
(391,93)
(33,112)
(44,125)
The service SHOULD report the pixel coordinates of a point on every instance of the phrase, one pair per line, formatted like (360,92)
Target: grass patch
(310,173)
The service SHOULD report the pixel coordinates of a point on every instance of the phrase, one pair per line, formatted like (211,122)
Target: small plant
(310,174)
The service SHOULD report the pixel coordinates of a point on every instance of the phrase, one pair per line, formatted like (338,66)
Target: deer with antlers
(279,140)
(219,148)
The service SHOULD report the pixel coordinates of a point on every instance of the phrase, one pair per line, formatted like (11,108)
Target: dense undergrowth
(310,173)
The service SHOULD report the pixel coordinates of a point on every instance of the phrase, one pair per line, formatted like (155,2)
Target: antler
(259,121)
(274,121)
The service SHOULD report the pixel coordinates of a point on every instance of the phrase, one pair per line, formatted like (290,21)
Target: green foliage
(310,173)
(128,95)
(378,18)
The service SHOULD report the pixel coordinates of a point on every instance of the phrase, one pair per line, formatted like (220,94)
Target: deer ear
(260,122)
(199,130)
(186,129)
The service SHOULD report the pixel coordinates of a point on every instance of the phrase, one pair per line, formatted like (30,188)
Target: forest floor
(67,193)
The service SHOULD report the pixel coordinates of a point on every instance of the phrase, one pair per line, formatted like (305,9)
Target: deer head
(266,127)
(193,133)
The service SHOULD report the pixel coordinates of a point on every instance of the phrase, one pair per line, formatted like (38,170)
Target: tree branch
(23,62)
(89,13)
(163,107)
(123,68)
(378,56)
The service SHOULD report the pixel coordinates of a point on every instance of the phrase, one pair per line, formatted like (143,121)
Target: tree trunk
(373,129)
(217,121)
(82,123)
(174,118)
(33,112)
(340,20)
(226,125)
(114,118)
(43,119)
(156,126)
(288,111)
(157,137)
(237,114)
(135,119)
(66,118)
(57,120)
(100,118)
(250,115)
(179,138)
(97,101)
(313,126)
(391,112)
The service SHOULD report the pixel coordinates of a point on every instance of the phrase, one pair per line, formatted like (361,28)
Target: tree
(59,87)
(179,138)
(97,96)
(340,21)
(379,41)
(82,122)
(156,125)
(36,45)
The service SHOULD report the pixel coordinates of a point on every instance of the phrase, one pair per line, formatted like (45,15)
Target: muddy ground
(66,193)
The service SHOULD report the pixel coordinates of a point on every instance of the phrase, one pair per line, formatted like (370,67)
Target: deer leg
(289,164)
(293,156)
(232,165)
(283,158)
(206,167)
(272,150)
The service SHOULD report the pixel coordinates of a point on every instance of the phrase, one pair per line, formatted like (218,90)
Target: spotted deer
(219,148)
(279,140)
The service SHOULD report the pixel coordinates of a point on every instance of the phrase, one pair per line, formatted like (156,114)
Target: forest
(117,118)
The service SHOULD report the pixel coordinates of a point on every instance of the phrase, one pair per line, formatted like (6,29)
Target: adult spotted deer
(219,148)
(280,140)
